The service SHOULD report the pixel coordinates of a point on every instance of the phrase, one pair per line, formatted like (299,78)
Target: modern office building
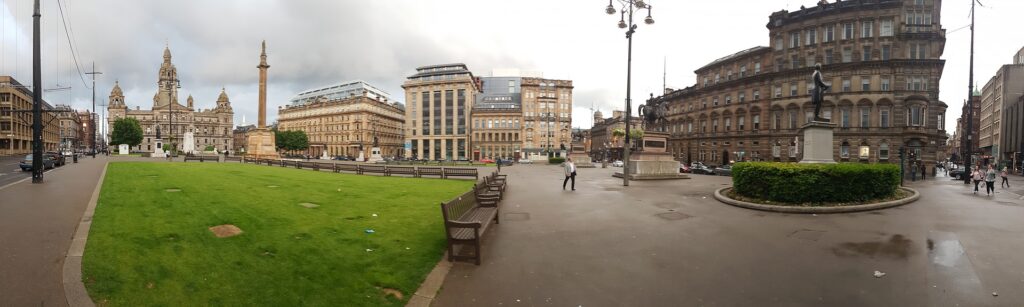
(348,124)
(497,119)
(439,102)
(16,120)
(1001,115)
(881,57)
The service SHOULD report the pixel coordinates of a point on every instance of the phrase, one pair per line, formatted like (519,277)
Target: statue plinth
(818,147)
(262,144)
(580,157)
(652,161)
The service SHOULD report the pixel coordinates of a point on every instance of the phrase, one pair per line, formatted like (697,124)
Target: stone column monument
(817,134)
(261,142)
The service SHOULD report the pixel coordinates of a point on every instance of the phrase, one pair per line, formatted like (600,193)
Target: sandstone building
(16,127)
(342,121)
(881,57)
(210,127)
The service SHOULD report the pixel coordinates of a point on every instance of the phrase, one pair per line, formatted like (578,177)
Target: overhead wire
(71,45)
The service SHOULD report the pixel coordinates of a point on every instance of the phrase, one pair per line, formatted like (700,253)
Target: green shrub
(556,160)
(815,183)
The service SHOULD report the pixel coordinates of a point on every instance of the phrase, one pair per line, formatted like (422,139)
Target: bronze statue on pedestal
(818,94)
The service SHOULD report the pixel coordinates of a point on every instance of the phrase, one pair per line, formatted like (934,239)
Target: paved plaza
(655,243)
(669,243)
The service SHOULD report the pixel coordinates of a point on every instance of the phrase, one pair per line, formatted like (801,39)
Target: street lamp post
(628,8)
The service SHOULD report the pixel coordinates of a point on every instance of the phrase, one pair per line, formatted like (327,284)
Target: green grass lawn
(151,247)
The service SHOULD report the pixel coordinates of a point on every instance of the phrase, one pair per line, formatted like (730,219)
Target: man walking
(990,180)
(570,173)
(1005,183)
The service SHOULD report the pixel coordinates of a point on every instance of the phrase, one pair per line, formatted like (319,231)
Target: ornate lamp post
(627,8)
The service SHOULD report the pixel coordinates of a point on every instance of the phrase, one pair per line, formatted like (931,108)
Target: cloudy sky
(319,42)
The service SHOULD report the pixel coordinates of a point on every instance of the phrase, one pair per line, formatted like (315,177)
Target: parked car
(957,173)
(26,164)
(683,168)
(342,158)
(701,169)
(486,161)
(617,163)
(724,170)
(525,161)
(58,158)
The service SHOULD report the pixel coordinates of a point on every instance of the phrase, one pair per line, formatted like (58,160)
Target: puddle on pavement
(896,247)
(953,279)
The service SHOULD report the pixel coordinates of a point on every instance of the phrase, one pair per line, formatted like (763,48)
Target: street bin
(74,157)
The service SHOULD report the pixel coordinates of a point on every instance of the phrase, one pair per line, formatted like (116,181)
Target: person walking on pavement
(570,173)
(990,180)
(1005,182)
(976,176)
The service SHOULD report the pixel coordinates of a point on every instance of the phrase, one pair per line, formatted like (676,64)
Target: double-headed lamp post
(628,7)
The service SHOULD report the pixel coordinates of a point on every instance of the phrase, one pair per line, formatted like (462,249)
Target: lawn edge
(74,289)
(424,296)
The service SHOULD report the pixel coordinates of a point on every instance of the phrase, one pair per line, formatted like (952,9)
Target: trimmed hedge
(556,160)
(815,183)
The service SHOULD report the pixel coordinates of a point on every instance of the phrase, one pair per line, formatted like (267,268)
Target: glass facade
(449,111)
(437,112)
(425,109)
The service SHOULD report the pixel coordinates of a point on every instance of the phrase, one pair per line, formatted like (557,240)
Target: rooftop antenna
(664,74)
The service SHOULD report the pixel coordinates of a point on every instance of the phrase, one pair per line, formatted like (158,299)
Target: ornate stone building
(881,57)
(547,114)
(16,127)
(344,126)
(603,143)
(168,118)
(70,128)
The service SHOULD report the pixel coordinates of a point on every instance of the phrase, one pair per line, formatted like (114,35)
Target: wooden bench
(325,165)
(460,172)
(494,186)
(239,159)
(430,171)
(495,176)
(193,158)
(308,165)
(465,222)
(374,169)
(484,194)
(345,167)
(402,170)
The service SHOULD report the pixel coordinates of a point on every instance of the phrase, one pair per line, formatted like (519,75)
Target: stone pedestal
(818,147)
(188,143)
(122,149)
(580,157)
(652,162)
(361,158)
(158,150)
(375,155)
(324,156)
(262,144)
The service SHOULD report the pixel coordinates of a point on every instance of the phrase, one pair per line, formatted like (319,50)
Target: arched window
(844,150)
(865,151)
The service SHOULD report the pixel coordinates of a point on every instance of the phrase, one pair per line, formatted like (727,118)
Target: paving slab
(609,245)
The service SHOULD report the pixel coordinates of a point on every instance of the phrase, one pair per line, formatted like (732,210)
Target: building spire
(167,54)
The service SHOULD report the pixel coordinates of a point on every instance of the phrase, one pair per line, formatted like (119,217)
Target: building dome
(223,96)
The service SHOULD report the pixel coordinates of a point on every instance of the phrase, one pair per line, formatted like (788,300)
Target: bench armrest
(457,224)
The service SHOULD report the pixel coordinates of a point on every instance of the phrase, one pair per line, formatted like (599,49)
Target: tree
(291,140)
(126,131)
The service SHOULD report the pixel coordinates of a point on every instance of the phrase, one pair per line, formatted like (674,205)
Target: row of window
(916,116)
(496,123)
(847,31)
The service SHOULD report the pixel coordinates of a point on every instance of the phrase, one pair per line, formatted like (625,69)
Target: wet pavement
(669,243)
